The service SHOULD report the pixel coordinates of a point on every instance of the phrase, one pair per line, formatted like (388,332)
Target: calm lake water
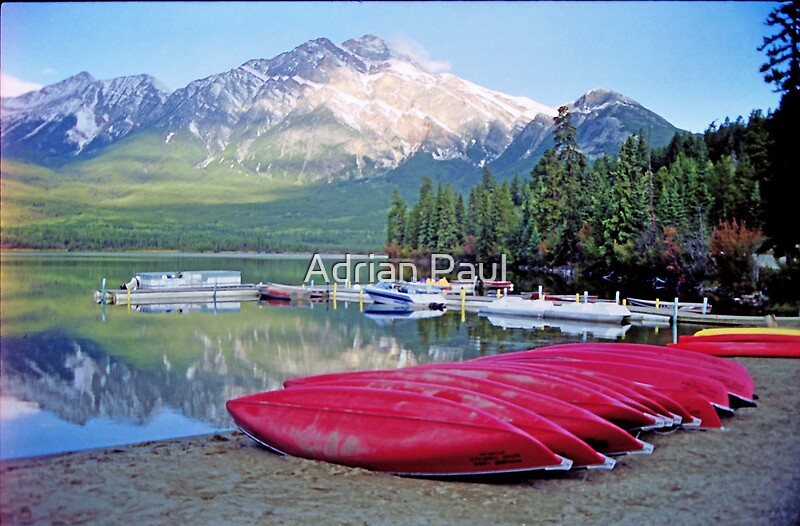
(78,375)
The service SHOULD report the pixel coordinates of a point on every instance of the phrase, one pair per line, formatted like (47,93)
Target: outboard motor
(133,284)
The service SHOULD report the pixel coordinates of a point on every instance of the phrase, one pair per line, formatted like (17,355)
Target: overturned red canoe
(701,392)
(659,401)
(612,386)
(763,349)
(600,434)
(575,393)
(594,384)
(555,437)
(737,385)
(665,353)
(393,431)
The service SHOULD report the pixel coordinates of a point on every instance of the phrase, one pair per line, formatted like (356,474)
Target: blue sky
(691,62)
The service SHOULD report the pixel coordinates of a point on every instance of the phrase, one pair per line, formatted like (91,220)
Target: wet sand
(746,474)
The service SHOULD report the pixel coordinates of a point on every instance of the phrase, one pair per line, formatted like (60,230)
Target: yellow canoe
(748,330)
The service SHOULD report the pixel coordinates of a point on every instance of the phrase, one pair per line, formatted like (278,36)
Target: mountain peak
(370,47)
(601,96)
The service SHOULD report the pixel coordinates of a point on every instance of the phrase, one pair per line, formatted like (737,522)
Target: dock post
(657,303)
(541,292)
(103,293)
(616,298)
(675,315)
(577,298)
(675,322)
(705,306)
(334,291)
(586,296)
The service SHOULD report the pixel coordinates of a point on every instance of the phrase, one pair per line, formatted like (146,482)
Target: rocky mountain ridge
(318,112)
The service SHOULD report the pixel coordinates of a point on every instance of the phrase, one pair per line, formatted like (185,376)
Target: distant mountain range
(320,112)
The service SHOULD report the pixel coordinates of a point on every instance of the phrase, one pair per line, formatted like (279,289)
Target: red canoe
(763,349)
(672,354)
(556,438)
(613,387)
(582,396)
(392,431)
(684,389)
(600,434)
(749,334)
(649,396)
(736,385)
(665,353)
(606,388)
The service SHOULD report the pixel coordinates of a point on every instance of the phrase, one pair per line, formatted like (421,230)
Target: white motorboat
(408,295)
(605,312)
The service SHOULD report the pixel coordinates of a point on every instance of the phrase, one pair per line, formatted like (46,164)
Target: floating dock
(194,286)
(179,294)
(697,318)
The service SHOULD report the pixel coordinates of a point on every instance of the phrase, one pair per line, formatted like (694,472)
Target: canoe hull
(600,434)
(555,437)
(398,432)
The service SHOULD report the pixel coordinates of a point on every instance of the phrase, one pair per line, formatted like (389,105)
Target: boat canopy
(189,278)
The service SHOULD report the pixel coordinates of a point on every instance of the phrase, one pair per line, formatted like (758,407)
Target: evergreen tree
(426,209)
(484,214)
(411,235)
(516,190)
(507,219)
(396,220)
(572,167)
(783,69)
(448,226)
(547,186)
(724,189)
(460,218)
(670,208)
(783,49)
(629,211)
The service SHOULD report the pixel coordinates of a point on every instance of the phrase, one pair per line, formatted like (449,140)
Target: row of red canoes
(552,408)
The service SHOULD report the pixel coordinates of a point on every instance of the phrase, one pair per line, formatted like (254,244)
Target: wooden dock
(697,318)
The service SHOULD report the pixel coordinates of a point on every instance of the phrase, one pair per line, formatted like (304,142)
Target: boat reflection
(386,314)
(597,330)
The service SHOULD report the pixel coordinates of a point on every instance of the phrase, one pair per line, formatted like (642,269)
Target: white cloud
(419,54)
(11,86)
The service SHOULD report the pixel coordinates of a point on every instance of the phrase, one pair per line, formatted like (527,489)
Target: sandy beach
(745,474)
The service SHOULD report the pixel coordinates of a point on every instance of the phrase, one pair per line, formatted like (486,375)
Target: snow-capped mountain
(604,117)
(320,111)
(78,115)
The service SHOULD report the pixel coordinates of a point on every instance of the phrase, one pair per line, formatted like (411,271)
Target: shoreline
(747,473)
